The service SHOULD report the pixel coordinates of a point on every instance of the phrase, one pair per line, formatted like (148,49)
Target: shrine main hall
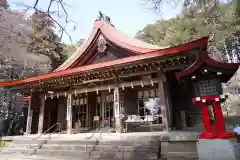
(117,82)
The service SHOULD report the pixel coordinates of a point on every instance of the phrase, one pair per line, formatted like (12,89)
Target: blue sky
(127,15)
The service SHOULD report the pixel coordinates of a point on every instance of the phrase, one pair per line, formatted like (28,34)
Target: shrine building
(122,83)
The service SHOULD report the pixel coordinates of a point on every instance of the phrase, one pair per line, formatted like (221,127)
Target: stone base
(118,125)
(218,149)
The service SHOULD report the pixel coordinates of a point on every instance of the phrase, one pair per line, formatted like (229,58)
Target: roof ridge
(105,24)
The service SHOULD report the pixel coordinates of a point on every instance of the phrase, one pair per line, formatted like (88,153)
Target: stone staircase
(105,146)
(62,147)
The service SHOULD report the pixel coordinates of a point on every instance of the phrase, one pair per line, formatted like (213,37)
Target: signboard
(69,107)
(116,96)
(117,110)
(116,102)
(69,100)
(96,118)
(68,113)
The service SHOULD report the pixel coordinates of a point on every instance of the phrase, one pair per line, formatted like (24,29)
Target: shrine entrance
(108,114)
(79,112)
(50,114)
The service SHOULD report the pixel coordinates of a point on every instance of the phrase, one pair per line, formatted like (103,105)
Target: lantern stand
(215,142)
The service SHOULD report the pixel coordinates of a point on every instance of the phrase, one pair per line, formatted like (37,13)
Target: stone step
(114,148)
(124,155)
(84,137)
(28,141)
(53,157)
(138,136)
(180,156)
(105,142)
(13,145)
(99,155)
(24,151)
(49,152)
(65,147)
(38,157)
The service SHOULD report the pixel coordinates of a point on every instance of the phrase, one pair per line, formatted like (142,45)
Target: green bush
(3,143)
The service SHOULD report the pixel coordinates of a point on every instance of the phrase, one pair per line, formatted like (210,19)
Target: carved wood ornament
(102,44)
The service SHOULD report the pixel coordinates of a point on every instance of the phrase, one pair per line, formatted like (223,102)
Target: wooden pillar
(118,124)
(102,99)
(163,95)
(41,114)
(29,117)
(69,114)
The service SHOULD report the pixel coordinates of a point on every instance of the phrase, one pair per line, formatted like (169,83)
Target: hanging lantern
(57,95)
(142,84)
(86,92)
(97,91)
(65,94)
(152,82)
(45,96)
(132,85)
(51,96)
(109,88)
(75,92)
(122,86)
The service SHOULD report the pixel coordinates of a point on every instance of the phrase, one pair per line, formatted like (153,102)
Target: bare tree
(12,30)
(16,32)
(55,10)
(19,30)
(10,100)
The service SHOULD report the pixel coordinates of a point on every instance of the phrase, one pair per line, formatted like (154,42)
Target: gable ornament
(102,45)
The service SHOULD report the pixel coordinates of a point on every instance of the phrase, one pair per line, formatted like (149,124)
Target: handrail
(95,139)
(95,132)
(58,129)
(93,146)
(85,148)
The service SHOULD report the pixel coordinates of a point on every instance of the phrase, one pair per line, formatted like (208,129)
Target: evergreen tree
(191,25)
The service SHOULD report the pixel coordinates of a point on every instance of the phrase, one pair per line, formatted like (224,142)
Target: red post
(206,117)
(219,117)
(216,130)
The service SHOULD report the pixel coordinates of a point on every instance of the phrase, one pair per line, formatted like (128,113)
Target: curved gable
(113,36)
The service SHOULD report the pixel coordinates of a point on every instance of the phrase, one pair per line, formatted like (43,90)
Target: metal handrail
(95,139)
(58,129)
(95,132)
(85,148)
(92,134)
(93,146)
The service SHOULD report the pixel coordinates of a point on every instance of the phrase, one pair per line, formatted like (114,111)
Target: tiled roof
(115,36)
(153,54)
